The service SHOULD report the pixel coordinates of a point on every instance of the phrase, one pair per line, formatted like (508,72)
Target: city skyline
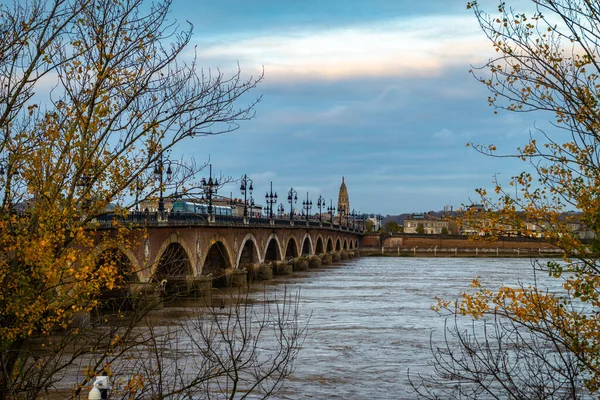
(379,93)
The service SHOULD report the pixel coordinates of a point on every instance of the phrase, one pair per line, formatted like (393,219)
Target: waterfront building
(431,224)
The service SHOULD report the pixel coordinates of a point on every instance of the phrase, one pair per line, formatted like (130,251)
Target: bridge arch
(329,245)
(345,247)
(356,244)
(125,259)
(217,261)
(273,249)
(248,253)
(307,247)
(291,249)
(338,245)
(174,258)
(351,245)
(174,262)
(117,264)
(319,248)
(121,260)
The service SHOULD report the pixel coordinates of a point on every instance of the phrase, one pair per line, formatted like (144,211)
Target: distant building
(375,222)
(432,224)
(570,222)
(152,204)
(343,200)
(492,223)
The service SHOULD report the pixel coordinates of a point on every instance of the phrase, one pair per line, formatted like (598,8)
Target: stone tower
(343,201)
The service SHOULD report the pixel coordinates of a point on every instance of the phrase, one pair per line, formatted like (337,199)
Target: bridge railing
(145,218)
(134,216)
(187,218)
(229,219)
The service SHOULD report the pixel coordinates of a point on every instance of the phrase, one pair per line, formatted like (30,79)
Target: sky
(378,92)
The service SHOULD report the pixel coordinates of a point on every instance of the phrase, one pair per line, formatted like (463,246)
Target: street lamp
(270,199)
(320,204)
(281,209)
(7,168)
(159,168)
(331,210)
(292,198)
(138,189)
(246,188)
(6,176)
(210,187)
(84,183)
(354,215)
(307,205)
(251,204)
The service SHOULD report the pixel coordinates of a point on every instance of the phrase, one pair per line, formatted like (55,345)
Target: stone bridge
(224,254)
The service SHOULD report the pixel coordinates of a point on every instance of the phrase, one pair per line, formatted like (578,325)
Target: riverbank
(455,252)
(408,245)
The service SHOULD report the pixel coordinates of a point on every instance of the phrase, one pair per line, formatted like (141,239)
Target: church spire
(343,200)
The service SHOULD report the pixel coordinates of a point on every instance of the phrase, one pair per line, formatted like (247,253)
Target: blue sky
(378,92)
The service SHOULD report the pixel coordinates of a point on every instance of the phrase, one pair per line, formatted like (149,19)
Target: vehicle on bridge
(200,208)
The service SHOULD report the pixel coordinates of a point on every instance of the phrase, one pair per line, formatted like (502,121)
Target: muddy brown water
(370,320)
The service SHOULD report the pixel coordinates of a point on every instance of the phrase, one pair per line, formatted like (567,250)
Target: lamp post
(246,188)
(331,210)
(280,209)
(320,204)
(84,183)
(159,168)
(307,205)
(354,215)
(8,168)
(138,189)
(292,198)
(210,187)
(251,204)
(7,175)
(270,199)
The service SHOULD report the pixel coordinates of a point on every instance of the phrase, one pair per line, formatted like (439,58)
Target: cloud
(389,105)
(420,46)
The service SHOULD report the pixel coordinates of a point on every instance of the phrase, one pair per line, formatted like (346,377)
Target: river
(371,321)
